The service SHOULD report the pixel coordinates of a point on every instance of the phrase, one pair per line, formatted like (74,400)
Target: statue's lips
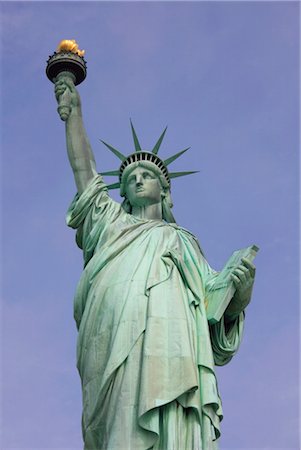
(139,190)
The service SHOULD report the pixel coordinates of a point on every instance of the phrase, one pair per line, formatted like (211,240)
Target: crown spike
(157,146)
(174,157)
(181,174)
(113,186)
(116,152)
(140,155)
(110,173)
(136,142)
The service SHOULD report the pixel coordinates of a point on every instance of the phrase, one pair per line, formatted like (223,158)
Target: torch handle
(64,102)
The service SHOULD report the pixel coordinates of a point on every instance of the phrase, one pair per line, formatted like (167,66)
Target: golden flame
(70,45)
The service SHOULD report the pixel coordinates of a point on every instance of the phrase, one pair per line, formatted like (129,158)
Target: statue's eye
(147,175)
(131,180)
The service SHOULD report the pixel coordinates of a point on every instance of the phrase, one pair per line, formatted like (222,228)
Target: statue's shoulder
(188,235)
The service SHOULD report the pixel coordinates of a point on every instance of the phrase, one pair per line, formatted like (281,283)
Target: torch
(66,62)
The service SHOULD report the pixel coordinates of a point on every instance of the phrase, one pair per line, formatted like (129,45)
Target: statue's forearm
(79,150)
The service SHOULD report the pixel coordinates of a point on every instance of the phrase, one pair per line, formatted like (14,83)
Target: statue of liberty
(146,352)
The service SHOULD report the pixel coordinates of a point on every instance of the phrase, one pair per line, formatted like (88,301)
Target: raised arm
(78,146)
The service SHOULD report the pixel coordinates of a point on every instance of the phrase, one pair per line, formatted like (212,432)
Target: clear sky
(224,77)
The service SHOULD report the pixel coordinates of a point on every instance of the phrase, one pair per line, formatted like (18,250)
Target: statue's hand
(66,94)
(243,278)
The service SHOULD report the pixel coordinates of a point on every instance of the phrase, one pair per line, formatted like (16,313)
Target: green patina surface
(146,352)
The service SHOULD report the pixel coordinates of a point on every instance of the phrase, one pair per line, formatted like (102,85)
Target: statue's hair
(166,201)
(167,204)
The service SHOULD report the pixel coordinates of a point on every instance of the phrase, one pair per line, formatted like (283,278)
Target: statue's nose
(139,180)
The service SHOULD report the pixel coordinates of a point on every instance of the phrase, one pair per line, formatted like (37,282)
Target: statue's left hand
(243,278)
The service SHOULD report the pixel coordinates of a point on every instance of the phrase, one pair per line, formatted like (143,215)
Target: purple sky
(224,77)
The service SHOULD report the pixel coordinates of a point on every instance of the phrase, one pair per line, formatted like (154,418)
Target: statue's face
(143,187)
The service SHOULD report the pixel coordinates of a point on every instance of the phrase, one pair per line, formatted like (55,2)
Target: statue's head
(148,161)
(151,171)
(143,183)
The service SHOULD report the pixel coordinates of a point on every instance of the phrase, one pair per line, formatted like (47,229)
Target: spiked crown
(144,156)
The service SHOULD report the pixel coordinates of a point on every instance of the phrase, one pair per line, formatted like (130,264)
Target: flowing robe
(145,351)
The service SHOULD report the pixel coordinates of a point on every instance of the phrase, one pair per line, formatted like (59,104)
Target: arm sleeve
(226,339)
(90,213)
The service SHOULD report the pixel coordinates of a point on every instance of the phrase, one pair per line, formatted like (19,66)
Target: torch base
(66,62)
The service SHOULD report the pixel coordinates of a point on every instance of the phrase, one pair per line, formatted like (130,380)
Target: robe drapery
(145,352)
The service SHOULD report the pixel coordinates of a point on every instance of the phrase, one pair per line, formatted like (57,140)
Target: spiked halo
(149,157)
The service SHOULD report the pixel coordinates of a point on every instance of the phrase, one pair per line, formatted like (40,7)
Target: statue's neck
(148,212)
